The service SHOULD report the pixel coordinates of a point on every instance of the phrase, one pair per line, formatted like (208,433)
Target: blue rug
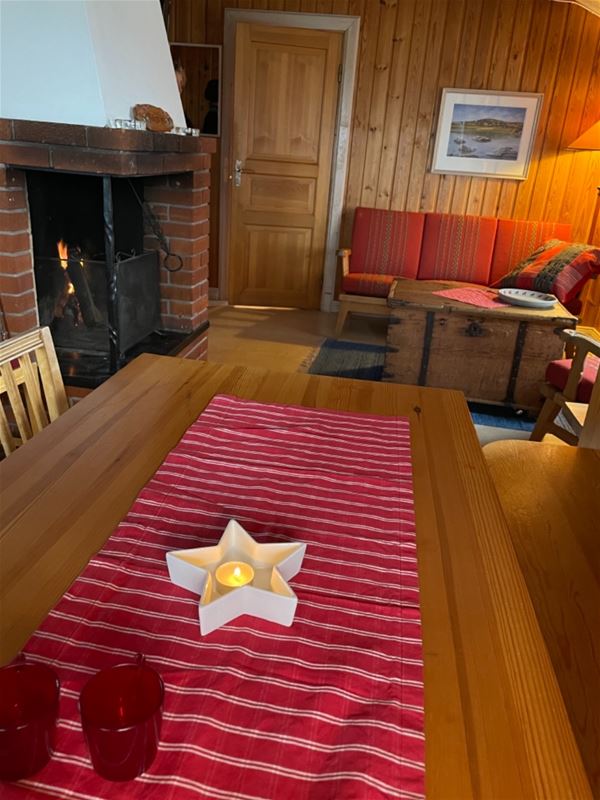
(341,359)
(500,417)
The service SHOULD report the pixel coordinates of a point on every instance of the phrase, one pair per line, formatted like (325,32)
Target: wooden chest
(492,355)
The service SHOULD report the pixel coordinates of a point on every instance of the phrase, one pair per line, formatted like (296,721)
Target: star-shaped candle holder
(239,576)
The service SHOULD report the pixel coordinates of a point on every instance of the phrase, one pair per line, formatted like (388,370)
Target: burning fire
(63,254)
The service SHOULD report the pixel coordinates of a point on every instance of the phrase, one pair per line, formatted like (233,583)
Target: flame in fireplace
(63,254)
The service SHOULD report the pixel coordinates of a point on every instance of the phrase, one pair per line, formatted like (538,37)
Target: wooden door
(285,96)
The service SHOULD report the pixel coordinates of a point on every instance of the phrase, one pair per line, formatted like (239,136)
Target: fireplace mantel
(99,151)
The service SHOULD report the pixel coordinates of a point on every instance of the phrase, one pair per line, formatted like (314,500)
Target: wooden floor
(286,339)
(280,338)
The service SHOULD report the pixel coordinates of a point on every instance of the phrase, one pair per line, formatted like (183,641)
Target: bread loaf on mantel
(156,118)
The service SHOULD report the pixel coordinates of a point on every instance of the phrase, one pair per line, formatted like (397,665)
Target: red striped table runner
(483,298)
(328,709)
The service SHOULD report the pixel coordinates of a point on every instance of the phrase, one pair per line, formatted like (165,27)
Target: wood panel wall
(409,51)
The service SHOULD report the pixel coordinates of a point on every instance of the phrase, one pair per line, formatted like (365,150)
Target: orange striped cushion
(386,242)
(457,248)
(517,238)
(367,283)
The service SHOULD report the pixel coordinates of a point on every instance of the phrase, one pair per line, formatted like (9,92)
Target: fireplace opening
(97,289)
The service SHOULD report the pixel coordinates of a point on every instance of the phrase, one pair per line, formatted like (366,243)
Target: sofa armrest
(344,253)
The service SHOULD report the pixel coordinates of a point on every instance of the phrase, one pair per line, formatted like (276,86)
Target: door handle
(237,173)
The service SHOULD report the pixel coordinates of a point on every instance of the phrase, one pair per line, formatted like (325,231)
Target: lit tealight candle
(232,575)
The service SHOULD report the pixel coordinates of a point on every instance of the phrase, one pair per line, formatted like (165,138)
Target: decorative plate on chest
(527,298)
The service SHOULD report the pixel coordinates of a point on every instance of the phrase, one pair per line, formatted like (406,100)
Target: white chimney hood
(84,62)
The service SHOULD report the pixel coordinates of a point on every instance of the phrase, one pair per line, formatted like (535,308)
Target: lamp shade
(589,140)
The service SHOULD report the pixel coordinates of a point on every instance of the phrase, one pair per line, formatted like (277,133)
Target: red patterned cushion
(386,242)
(517,238)
(457,248)
(556,267)
(557,373)
(367,283)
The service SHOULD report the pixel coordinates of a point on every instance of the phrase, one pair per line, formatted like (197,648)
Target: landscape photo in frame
(485,133)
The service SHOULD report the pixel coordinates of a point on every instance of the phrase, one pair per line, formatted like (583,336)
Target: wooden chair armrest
(345,252)
(580,341)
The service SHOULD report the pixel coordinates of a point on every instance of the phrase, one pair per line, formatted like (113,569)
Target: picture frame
(485,133)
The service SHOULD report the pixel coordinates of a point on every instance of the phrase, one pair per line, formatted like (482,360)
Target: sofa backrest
(387,242)
(518,238)
(433,246)
(457,247)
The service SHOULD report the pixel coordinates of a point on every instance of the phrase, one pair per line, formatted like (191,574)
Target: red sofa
(414,245)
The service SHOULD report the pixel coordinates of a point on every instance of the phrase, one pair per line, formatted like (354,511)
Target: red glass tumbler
(121,712)
(29,695)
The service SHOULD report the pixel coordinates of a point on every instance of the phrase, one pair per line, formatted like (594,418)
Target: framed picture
(486,133)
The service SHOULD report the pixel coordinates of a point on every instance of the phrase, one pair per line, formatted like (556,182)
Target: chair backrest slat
(6,438)
(52,381)
(32,393)
(16,401)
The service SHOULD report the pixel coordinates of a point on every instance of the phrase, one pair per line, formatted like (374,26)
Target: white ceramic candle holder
(268,596)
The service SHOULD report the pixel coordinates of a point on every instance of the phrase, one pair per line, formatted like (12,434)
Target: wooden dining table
(496,725)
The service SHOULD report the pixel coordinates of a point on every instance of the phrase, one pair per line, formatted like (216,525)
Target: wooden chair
(32,393)
(571,386)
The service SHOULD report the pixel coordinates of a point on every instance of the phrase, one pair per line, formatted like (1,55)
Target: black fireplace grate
(73,300)
(97,289)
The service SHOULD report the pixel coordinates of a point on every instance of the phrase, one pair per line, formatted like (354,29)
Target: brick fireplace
(174,174)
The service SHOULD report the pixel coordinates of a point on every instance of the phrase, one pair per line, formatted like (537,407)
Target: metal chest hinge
(516,363)
(427,336)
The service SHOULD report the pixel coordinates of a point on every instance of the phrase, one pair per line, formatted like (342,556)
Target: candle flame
(232,575)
